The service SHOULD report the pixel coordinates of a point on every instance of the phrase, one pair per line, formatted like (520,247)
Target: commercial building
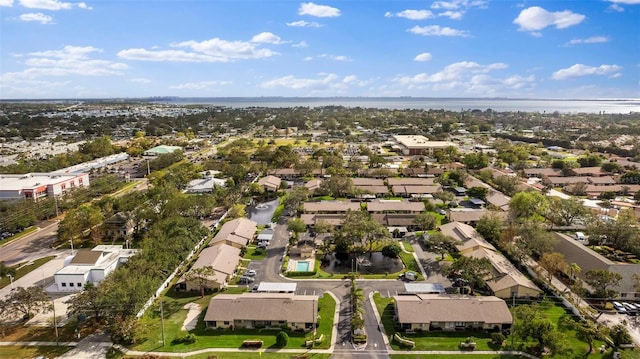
(90,266)
(33,186)
(418,145)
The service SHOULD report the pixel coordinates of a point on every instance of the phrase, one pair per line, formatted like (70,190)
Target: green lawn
(174,316)
(254,253)
(407,246)
(5,281)
(19,352)
(450,340)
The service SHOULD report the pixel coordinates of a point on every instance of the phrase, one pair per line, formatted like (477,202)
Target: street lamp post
(11,279)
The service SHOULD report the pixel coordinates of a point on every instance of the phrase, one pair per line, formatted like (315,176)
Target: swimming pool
(302,266)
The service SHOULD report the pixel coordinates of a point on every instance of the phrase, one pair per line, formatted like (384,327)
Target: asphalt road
(32,246)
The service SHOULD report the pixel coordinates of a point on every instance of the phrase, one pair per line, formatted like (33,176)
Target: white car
(251,273)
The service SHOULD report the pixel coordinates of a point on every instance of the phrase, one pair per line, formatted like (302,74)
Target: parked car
(255,288)
(246,280)
(251,273)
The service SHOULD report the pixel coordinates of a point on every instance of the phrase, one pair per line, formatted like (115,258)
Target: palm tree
(574,269)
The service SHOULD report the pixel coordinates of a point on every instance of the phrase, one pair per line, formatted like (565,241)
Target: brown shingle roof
(263,306)
(239,230)
(428,308)
(394,205)
(367,181)
(331,206)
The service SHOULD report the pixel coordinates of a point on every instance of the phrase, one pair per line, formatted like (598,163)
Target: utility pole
(55,320)
(513,305)
(162,321)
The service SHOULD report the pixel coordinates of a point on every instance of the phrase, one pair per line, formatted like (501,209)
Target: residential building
(505,280)
(329,207)
(270,183)
(119,226)
(237,232)
(90,266)
(262,310)
(587,259)
(223,260)
(428,312)
(395,206)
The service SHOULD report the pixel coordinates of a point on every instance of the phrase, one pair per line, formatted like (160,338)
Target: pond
(374,264)
(262,213)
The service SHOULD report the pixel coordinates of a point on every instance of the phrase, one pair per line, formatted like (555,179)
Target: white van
(580,237)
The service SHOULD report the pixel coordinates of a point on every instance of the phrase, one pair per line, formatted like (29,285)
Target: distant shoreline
(610,106)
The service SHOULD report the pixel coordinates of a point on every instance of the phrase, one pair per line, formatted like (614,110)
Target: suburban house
(469,217)
(90,266)
(451,312)
(119,226)
(373,186)
(237,232)
(587,259)
(506,280)
(223,260)
(270,183)
(262,310)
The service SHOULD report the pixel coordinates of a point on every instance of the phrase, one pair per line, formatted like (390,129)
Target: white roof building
(33,186)
(90,266)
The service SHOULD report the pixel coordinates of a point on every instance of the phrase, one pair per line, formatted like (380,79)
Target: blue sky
(220,48)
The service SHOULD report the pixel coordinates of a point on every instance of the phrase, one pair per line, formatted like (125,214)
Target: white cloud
(324,84)
(467,77)
(616,7)
(336,57)
(458,4)
(200,85)
(301,44)
(308,58)
(266,37)
(425,56)
(579,70)
(300,83)
(53,5)
(140,80)
(7,3)
(626,2)
(212,50)
(168,56)
(39,17)
(536,18)
(303,23)
(312,9)
(449,5)
(453,15)
(453,72)
(589,40)
(436,30)
(411,14)
(69,61)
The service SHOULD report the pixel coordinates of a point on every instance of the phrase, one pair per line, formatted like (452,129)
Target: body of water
(451,104)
